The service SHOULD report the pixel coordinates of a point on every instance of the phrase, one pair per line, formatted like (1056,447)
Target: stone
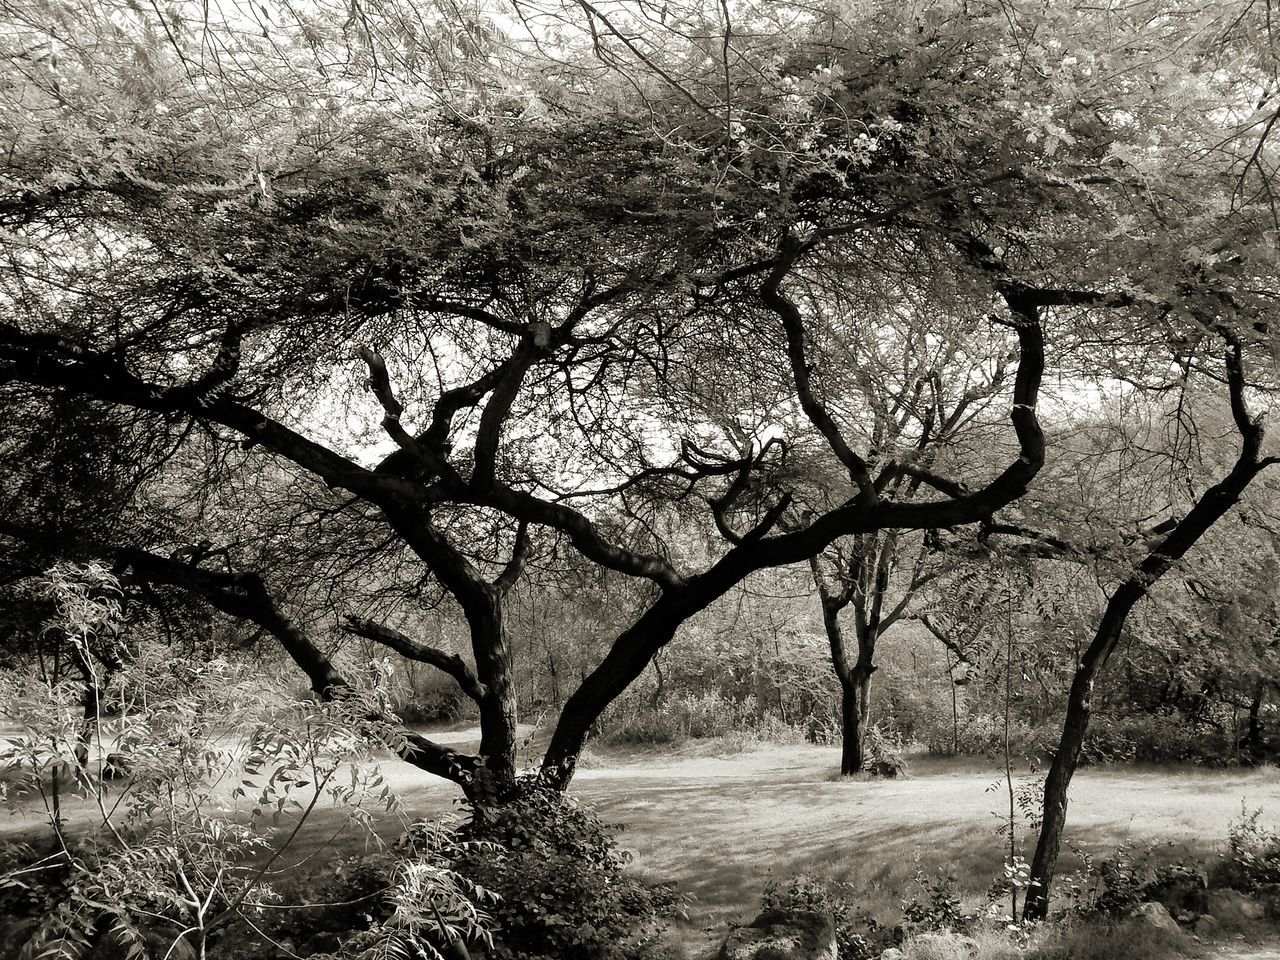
(1153,916)
(774,936)
(1232,907)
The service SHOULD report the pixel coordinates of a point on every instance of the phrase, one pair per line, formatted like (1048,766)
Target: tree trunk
(1206,511)
(1252,736)
(495,775)
(855,681)
(855,709)
(630,654)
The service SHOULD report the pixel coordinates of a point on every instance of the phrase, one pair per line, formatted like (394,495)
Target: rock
(1153,916)
(893,953)
(772,936)
(1206,927)
(1232,907)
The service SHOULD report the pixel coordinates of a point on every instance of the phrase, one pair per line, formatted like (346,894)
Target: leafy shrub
(1253,853)
(32,886)
(430,697)
(983,734)
(313,911)
(1111,887)
(883,755)
(559,877)
(680,718)
(936,906)
(1154,738)
(857,937)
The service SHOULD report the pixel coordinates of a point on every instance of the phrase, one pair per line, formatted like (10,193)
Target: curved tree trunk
(1210,508)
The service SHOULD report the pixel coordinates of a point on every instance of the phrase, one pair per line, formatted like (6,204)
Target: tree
(917,416)
(1181,535)
(559,261)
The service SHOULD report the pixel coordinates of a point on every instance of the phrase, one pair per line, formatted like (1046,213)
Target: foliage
(857,937)
(1092,940)
(32,886)
(884,755)
(1113,886)
(427,904)
(936,905)
(163,751)
(560,881)
(689,716)
(1253,853)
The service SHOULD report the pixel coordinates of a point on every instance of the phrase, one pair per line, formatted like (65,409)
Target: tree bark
(495,775)
(855,712)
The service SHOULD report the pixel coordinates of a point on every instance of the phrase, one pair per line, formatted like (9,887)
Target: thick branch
(773,298)
(519,557)
(449,663)
(243,595)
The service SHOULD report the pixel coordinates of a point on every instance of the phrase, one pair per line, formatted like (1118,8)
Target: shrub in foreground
(563,891)
(858,937)
(1253,853)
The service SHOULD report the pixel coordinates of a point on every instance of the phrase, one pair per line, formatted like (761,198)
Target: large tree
(556,259)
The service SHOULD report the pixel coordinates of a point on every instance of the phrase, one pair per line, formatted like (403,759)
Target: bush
(693,717)
(1107,941)
(32,886)
(857,937)
(883,755)
(331,904)
(1154,738)
(983,734)
(1112,888)
(936,906)
(1253,853)
(560,878)
(430,697)
(1151,738)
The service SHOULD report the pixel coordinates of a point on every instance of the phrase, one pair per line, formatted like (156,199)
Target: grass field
(722,825)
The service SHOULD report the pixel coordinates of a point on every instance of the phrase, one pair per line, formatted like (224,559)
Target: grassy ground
(721,826)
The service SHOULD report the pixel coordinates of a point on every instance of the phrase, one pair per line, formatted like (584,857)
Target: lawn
(722,824)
